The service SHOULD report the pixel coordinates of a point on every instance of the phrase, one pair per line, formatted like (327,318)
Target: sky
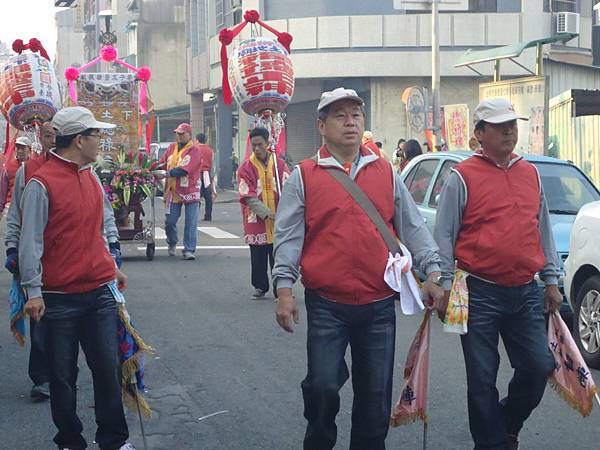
(24,19)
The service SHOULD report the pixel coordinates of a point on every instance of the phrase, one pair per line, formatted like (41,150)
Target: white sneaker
(188,256)
(171,250)
(127,446)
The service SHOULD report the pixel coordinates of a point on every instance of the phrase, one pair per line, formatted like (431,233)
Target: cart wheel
(150,248)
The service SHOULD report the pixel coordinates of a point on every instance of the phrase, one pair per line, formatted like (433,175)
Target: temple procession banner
(457,126)
(113,98)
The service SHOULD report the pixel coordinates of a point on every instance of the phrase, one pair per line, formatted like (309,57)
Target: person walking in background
(412,149)
(234,166)
(474,144)
(493,220)
(321,228)
(38,364)
(259,196)
(367,141)
(7,179)
(183,160)
(398,156)
(207,190)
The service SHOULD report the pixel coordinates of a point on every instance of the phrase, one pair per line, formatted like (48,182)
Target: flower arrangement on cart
(132,183)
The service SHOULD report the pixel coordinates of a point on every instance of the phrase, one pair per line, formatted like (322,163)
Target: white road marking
(217,233)
(159,233)
(211,231)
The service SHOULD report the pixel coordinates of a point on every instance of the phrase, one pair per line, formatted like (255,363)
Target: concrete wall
(388,113)
(69,43)
(162,48)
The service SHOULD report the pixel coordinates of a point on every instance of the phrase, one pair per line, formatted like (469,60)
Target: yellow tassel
(411,418)
(131,366)
(571,400)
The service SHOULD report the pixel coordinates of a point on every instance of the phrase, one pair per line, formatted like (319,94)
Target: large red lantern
(29,90)
(261,75)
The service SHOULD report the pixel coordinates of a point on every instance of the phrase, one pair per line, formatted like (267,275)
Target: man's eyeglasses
(93,135)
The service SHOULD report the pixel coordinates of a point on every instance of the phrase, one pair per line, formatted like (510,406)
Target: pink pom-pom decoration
(108,53)
(71,74)
(144,73)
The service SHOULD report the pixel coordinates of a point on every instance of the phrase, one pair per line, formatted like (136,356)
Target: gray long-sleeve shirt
(34,206)
(449,221)
(258,207)
(290,226)
(13,219)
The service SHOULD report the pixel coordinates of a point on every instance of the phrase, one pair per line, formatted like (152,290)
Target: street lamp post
(435,73)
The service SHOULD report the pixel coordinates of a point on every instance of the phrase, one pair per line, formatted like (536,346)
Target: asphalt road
(225,376)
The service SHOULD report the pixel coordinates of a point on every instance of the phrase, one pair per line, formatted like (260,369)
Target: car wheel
(586,321)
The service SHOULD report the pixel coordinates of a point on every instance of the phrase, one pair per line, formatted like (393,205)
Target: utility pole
(435,60)
(435,74)
(97,28)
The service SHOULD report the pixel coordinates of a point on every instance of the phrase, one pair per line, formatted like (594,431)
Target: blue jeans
(191,222)
(516,314)
(89,319)
(370,330)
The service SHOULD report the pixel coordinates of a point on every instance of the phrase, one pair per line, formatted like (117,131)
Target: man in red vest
(493,221)
(342,256)
(66,269)
(7,180)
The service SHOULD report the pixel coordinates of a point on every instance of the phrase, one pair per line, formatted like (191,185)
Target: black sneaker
(40,391)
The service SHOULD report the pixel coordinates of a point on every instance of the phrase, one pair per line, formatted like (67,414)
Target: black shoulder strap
(368,207)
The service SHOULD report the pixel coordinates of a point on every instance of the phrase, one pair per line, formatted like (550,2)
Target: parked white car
(582,282)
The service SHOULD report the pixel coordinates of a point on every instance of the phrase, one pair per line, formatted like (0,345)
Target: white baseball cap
(496,110)
(23,140)
(329,97)
(74,120)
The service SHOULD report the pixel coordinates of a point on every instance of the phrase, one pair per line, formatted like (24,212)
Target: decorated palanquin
(113,98)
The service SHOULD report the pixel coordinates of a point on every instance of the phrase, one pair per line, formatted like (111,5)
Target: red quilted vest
(344,256)
(75,258)
(499,239)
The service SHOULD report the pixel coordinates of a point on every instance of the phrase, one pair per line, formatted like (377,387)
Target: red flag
(412,404)
(571,377)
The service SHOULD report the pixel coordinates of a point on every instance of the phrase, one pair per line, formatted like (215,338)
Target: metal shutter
(303,138)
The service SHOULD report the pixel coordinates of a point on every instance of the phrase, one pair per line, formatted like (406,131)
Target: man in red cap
(183,161)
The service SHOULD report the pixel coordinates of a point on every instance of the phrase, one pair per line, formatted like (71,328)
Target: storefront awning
(471,57)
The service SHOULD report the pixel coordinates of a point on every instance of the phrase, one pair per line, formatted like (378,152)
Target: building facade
(156,39)
(378,51)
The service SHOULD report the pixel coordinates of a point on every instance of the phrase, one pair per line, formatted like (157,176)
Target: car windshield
(565,187)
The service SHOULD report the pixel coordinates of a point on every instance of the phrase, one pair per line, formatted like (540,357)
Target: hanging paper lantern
(261,75)
(28,90)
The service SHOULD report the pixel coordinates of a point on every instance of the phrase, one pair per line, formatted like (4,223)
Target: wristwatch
(435,280)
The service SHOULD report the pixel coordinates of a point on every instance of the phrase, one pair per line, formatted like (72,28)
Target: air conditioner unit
(567,22)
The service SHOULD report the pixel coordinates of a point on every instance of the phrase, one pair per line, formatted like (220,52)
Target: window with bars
(562,5)
(219,14)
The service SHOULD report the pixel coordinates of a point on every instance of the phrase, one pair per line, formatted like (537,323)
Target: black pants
(38,361)
(90,319)
(515,314)
(370,330)
(261,256)
(206,193)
